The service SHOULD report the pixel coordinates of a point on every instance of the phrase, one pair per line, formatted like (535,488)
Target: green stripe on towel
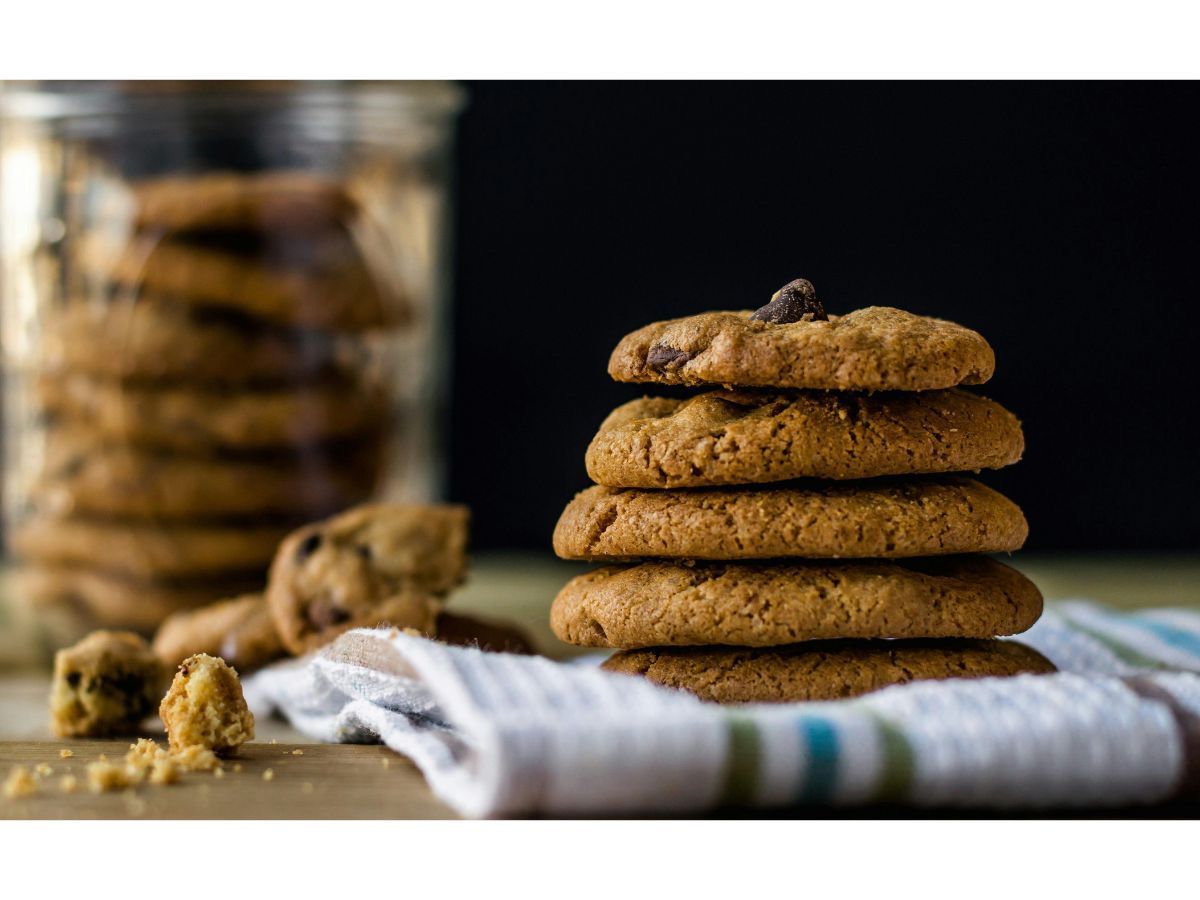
(741,773)
(896,767)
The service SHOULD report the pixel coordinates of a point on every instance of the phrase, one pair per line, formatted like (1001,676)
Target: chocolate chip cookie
(379,563)
(152,339)
(823,670)
(147,550)
(885,519)
(743,437)
(659,604)
(84,473)
(242,201)
(876,349)
(194,418)
(104,685)
(310,282)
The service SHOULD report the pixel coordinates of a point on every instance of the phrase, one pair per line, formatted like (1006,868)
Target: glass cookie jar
(223,314)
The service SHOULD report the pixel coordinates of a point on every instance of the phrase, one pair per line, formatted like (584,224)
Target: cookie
(472,631)
(192,418)
(79,600)
(374,564)
(204,708)
(823,670)
(310,282)
(743,437)
(287,200)
(150,339)
(104,685)
(84,474)
(883,519)
(147,550)
(872,349)
(660,604)
(240,631)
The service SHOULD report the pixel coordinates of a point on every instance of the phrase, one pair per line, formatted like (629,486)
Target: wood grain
(341,781)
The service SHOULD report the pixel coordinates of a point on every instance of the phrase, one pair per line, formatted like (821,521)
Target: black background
(1059,220)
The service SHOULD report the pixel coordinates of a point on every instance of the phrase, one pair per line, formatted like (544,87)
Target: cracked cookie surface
(877,348)
(659,604)
(884,519)
(747,437)
(823,670)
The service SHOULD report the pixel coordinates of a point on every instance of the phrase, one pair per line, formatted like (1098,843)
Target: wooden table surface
(365,782)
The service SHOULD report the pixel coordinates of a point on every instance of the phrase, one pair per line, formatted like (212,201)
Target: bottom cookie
(823,670)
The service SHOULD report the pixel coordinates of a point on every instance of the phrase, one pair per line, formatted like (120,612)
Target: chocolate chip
(324,613)
(661,357)
(73,679)
(794,301)
(308,546)
(364,551)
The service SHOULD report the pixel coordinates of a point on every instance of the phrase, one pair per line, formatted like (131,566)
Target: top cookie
(872,349)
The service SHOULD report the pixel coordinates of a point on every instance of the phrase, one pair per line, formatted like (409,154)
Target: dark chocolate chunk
(794,301)
(308,546)
(660,357)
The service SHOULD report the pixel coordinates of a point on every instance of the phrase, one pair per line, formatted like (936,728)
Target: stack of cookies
(803,528)
(208,383)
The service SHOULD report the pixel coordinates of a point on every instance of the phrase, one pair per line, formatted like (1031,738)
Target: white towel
(497,734)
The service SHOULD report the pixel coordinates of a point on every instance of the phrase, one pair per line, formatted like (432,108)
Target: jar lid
(60,100)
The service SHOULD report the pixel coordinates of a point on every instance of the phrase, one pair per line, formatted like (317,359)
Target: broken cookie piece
(204,708)
(239,630)
(104,685)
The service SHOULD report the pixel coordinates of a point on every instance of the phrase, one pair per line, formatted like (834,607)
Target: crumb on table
(20,783)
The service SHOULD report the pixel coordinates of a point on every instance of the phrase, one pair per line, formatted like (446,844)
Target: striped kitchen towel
(496,734)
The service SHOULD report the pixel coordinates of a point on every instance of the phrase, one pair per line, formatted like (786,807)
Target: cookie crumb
(307,787)
(218,772)
(297,753)
(68,784)
(134,805)
(195,759)
(269,775)
(164,771)
(237,767)
(387,763)
(65,754)
(43,770)
(144,753)
(105,776)
(19,783)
